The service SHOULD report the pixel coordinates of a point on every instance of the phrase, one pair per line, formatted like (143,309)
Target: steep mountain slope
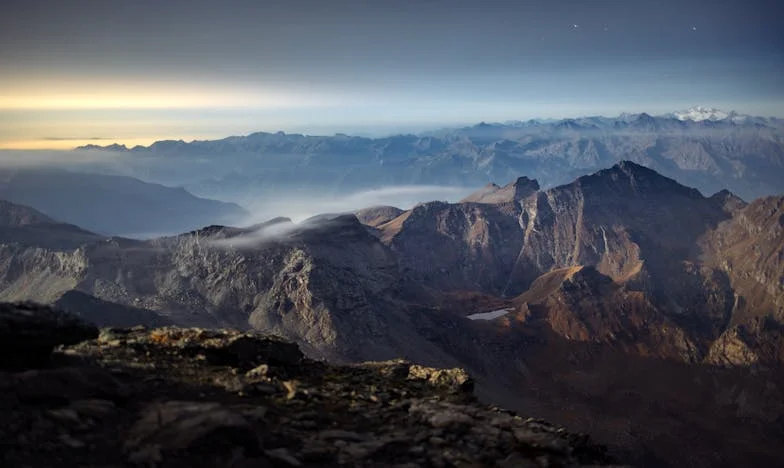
(465,246)
(745,155)
(20,215)
(661,254)
(108,314)
(581,304)
(749,250)
(113,204)
(326,282)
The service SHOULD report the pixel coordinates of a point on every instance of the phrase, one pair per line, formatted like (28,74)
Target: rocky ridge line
(175,397)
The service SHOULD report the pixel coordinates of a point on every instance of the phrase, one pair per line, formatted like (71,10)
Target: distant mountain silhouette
(697,148)
(113,204)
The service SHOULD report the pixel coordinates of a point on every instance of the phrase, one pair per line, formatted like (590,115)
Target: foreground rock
(192,397)
(29,332)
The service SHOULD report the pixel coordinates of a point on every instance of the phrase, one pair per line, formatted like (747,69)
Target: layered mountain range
(703,148)
(622,304)
(113,204)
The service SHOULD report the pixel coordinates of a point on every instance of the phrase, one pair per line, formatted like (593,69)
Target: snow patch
(699,113)
(489,315)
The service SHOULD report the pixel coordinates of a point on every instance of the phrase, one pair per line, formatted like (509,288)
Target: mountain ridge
(94,201)
(695,114)
(622,269)
(745,156)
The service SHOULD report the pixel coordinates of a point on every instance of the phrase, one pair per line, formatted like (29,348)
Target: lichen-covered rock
(456,379)
(244,350)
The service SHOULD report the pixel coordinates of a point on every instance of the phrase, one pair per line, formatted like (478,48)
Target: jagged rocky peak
(728,200)
(632,178)
(521,188)
(525,186)
(94,147)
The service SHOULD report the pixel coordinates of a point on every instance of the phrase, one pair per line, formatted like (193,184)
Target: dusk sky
(106,71)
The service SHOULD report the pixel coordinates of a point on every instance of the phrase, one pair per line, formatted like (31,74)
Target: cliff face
(522,188)
(466,246)
(671,258)
(580,304)
(749,249)
(315,283)
(327,283)
(621,220)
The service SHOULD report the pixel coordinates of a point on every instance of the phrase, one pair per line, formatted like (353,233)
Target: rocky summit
(189,397)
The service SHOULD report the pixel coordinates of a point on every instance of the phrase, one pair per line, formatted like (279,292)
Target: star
(575,26)
(606,28)
(694,28)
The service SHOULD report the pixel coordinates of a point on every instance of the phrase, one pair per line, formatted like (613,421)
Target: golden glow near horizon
(75,92)
(63,113)
(161,99)
(71,143)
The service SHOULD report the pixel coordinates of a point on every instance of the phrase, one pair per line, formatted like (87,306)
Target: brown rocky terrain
(626,305)
(174,397)
(667,256)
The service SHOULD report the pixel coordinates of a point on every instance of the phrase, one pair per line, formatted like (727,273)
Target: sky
(104,71)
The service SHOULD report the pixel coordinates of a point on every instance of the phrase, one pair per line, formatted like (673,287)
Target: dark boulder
(29,332)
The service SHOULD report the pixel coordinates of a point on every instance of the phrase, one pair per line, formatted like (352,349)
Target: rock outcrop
(29,333)
(492,194)
(191,397)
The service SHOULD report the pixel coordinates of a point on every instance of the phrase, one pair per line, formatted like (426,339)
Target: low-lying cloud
(260,236)
(299,207)
(305,208)
(72,138)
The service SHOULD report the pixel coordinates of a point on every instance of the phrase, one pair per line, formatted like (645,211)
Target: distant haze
(133,72)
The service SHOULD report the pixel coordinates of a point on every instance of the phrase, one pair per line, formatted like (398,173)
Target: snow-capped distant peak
(699,113)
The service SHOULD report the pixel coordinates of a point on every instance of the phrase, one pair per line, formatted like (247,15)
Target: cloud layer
(298,207)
